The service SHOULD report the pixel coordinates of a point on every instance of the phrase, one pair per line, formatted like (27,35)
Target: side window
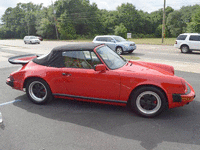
(92,58)
(98,39)
(181,37)
(103,39)
(194,38)
(79,59)
(109,39)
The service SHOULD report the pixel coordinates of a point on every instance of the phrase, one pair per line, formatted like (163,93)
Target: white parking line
(17,100)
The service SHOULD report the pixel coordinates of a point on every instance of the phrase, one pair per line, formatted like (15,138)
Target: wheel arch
(33,77)
(185,45)
(119,46)
(147,85)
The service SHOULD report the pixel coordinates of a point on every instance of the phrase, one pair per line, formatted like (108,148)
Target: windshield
(119,39)
(111,59)
(33,37)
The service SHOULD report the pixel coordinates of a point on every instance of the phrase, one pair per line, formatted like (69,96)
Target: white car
(188,42)
(31,40)
(116,43)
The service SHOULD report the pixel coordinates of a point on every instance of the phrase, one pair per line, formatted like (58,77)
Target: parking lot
(65,124)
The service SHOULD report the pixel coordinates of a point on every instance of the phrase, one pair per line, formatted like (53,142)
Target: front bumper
(130,48)
(182,99)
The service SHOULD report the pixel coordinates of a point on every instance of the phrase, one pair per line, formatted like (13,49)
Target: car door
(194,42)
(111,43)
(81,80)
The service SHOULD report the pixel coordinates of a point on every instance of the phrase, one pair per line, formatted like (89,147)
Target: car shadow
(180,125)
(195,52)
(133,54)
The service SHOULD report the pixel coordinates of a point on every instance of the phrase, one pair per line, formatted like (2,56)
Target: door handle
(66,74)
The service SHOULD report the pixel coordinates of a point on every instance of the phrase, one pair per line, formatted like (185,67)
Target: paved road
(152,53)
(65,124)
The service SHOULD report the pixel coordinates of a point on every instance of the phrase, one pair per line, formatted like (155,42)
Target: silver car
(116,43)
(31,40)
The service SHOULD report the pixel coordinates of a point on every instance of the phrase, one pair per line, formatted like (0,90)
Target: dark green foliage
(74,19)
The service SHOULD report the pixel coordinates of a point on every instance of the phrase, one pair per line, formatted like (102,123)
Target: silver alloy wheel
(184,49)
(37,91)
(148,102)
(119,50)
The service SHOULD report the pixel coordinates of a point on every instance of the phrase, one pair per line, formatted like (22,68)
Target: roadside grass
(154,41)
(150,41)
(76,40)
(130,57)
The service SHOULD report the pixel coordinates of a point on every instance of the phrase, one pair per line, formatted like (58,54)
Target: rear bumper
(10,82)
(177,46)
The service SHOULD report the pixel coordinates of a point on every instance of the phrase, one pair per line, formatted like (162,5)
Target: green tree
(194,25)
(129,16)
(80,15)
(121,30)
(66,28)
(21,20)
(46,23)
(175,23)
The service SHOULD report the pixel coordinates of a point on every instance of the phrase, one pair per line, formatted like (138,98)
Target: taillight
(11,78)
(176,42)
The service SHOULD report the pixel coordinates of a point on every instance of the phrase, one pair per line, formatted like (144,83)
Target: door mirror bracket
(100,67)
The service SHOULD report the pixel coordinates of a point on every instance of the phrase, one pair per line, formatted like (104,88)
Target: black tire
(148,101)
(38,91)
(24,42)
(119,50)
(185,49)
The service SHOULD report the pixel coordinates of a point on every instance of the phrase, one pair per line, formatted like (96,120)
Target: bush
(140,35)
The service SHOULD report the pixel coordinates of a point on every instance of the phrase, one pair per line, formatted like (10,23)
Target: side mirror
(100,67)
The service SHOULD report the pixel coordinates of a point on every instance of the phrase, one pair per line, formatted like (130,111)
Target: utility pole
(54,12)
(163,25)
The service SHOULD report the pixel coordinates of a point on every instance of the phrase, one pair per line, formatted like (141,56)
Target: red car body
(102,84)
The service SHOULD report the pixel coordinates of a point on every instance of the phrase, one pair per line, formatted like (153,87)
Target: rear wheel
(185,49)
(148,101)
(38,91)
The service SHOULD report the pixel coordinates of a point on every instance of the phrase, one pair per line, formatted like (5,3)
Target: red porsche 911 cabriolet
(93,72)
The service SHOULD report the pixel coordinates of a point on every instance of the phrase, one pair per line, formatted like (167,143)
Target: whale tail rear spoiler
(22,59)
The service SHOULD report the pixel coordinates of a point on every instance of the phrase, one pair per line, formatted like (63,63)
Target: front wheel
(148,101)
(38,91)
(119,50)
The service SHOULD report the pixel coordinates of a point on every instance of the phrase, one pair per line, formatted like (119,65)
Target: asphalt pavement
(71,125)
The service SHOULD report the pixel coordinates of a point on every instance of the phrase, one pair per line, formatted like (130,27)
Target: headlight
(127,45)
(188,90)
(186,87)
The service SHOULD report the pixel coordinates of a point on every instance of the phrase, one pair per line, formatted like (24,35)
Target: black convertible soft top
(55,59)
